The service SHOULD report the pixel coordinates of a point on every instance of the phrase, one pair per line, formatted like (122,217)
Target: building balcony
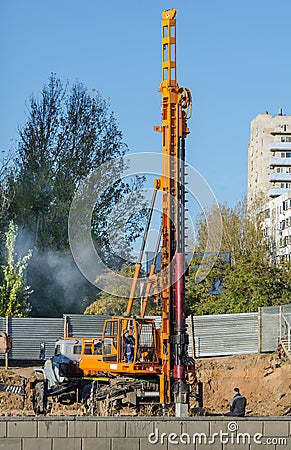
(273,146)
(280,177)
(280,161)
(275,192)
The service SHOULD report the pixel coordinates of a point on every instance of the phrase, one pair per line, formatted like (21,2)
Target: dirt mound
(263,379)
(11,404)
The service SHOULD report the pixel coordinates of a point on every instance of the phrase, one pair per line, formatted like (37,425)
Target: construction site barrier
(33,338)
(144,433)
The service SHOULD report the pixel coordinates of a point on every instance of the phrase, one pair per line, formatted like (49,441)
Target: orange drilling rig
(159,356)
(135,363)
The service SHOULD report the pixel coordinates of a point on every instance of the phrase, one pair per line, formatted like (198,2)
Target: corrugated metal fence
(270,326)
(82,325)
(28,333)
(226,334)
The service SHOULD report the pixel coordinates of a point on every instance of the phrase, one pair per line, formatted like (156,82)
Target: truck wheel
(39,397)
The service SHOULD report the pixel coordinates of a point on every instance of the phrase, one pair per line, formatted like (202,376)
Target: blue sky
(233,55)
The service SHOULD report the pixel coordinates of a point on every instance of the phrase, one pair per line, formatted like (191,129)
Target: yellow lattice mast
(176,109)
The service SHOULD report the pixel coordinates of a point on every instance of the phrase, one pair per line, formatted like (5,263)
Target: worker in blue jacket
(128,346)
(238,404)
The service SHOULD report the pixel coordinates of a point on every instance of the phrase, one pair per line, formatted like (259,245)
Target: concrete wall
(137,433)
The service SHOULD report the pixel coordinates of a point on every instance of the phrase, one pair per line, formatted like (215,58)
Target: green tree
(249,279)
(6,195)
(68,134)
(199,297)
(253,283)
(7,171)
(242,234)
(116,302)
(14,292)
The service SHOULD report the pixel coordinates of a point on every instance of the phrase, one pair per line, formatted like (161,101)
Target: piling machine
(154,368)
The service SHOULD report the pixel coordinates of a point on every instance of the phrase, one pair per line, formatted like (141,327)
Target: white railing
(284,322)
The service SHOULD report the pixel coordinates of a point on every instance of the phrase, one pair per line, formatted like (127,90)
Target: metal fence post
(259,329)
(192,335)
(66,326)
(7,334)
(280,322)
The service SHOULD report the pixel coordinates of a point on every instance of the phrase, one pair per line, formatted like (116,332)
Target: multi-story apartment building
(276,222)
(269,179)
(269,156)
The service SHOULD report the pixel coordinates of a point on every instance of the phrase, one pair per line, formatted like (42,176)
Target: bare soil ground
(264,379)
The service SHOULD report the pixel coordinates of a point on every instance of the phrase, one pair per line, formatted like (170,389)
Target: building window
(285,139)
(285,205)
(283,169)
